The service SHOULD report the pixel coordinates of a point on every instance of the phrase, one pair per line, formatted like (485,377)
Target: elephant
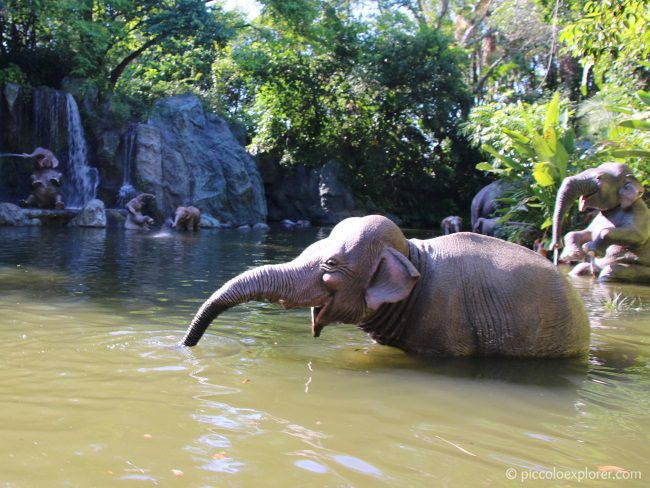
(451,224)
(616,244)
(135,220)
(45,181)
(463,294)
(484,205)
(187,218)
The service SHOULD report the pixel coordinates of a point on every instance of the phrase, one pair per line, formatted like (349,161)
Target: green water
(95,391)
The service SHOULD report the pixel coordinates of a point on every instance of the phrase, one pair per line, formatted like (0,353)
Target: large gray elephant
(616,245)
(458,295)
(484,206)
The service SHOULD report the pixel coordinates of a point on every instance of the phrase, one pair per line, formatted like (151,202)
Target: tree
(51,39)
(380,95)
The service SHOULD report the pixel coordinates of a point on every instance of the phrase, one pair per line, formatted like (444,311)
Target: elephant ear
(630,192)
(393,279)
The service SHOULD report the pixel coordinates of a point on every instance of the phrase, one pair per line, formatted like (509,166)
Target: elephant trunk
(275,283)
(571,188)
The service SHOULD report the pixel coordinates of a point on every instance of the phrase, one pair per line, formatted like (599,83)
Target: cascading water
(127,190)
(57,127)
(82,179)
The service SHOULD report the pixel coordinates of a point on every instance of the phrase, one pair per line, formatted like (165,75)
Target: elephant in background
(617,241)
(45,181)
(451,224)
(187,218)
(457,295)
(484,206)
(135,219)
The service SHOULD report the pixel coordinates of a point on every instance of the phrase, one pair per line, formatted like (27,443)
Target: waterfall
(82,179)
(57,127)
(127,190)
(49,121)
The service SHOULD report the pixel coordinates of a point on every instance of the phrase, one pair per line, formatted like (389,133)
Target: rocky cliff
(182,154)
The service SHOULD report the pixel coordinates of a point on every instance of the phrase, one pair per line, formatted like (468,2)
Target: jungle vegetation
(422,101)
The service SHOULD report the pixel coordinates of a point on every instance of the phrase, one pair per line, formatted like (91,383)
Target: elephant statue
(484,206)
(45,181)
(451,224)
(135,220)
(462,294)
(187,218)
(616,244)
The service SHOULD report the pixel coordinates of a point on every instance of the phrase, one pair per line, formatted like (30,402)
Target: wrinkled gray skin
(135,219)
(45,181)
(484,207)
(451,224)
(458,295)
(187,218)
(616,244)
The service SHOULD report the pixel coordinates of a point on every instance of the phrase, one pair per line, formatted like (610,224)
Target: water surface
(96,392)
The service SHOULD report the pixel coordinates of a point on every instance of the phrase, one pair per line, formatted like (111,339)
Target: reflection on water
(96,391)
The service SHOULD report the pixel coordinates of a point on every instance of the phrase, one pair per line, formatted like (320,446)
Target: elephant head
(43,158)
(451,224)
(343,278)
(606,187)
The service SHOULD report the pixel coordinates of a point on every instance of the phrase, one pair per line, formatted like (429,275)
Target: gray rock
(261,226)
(186,156)
(93,214)
(11,214)
(301,194)
(209,222)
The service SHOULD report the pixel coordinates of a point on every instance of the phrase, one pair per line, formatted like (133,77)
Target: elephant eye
(331,262)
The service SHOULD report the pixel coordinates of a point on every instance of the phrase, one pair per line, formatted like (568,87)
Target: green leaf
(561,160)
(568,140)
(550,136)
(630,153)
(547,223)
(552,113)
(619,109)
(542,149)
(485,167)
(635,124)
(509,162)
(516,136)
(543,175)
(644,96)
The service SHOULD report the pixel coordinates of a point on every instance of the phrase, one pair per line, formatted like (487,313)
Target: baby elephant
(187,218)
(451,224)
(458,295)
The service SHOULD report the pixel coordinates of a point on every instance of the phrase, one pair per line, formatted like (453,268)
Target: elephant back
(493,297)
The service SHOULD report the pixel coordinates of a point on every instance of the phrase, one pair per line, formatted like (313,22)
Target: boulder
(300,195)
(11,214)
(93,214)
(187,156)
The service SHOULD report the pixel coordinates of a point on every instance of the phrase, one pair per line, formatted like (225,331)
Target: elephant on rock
(135,219)
(458,295)
(187,218)
(45,181)
(616,244)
